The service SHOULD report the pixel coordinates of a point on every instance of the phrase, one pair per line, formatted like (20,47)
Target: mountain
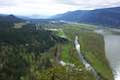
(7,22)
(9,18)
(105,17)
(23,17)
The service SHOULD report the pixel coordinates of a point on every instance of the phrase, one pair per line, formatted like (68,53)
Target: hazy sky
(51,7)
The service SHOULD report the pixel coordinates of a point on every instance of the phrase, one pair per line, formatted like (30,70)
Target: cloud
(51,7)
(90,2)
(6,3)
(26,7)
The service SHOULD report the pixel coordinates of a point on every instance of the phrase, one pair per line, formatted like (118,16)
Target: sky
(52,7)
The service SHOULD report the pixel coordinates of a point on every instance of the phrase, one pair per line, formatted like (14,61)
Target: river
(112,48)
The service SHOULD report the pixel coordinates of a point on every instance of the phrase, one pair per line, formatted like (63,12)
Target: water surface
(112,47)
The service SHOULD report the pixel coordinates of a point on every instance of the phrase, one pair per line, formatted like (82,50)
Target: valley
(28,54)
(60,40)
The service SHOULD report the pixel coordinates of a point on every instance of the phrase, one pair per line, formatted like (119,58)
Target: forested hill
(8,21)
(10,18)
(29,37)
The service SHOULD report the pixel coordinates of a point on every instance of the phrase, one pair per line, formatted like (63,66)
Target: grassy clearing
(18,25)
(69,55)
(61,33)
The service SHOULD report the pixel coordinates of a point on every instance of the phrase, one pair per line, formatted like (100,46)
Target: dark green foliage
(17,62)
(30,38)
(5,26)
(13,65)
(21,51)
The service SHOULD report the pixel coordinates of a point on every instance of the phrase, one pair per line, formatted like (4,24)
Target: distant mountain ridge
(105,17)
